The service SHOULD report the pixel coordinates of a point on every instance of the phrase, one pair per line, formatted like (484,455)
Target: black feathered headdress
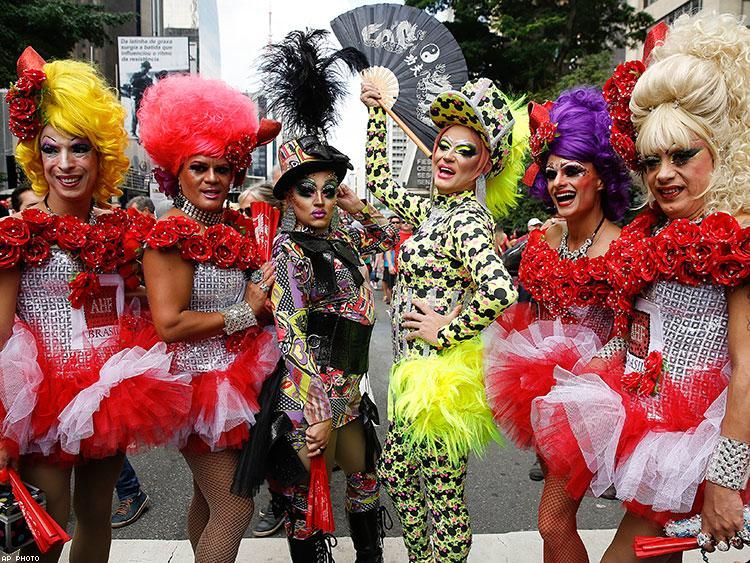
(304,80)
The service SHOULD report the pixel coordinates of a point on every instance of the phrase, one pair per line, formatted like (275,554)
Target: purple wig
(583,125)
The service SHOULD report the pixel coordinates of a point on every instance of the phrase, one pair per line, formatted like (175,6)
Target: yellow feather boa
(440,401)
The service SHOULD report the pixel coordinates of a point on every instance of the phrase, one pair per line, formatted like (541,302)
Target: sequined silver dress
(224,377)
(214,289)
(652,440)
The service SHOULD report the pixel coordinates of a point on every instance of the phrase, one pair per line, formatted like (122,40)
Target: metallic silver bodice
(597,318)
(43,304)
(440,299)
(214,289)
(689,326)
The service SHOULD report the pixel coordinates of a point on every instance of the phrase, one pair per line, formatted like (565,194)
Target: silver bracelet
(730,464)
(238,317)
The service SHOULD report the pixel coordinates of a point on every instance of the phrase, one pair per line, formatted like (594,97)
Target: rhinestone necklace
(205,217)
(91,219)
(565,252)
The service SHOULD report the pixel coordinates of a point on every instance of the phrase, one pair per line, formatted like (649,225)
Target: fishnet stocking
(557,524)
(197,516)
(228,514)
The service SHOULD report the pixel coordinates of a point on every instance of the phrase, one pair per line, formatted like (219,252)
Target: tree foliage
(528,45)
(52,27)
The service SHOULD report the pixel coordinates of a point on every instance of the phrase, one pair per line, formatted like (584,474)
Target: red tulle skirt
(118,397)
(520,356)
(225,402)
(593,433)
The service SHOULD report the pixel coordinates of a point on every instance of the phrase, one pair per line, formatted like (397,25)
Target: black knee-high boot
(367,535)
(315,549)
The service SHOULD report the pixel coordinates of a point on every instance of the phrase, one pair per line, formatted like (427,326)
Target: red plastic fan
(47,533)
(646,546)
(265,222)
(319,509)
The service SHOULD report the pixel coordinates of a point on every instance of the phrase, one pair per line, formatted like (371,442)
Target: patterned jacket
(306,392)
(450,260)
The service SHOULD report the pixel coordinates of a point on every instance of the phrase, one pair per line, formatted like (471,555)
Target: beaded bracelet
(730,464)
(238,317)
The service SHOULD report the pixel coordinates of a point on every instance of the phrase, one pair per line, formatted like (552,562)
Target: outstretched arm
(411,207)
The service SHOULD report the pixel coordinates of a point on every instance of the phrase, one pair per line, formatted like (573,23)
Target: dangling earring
(481,190)
(335,219)
(289,219)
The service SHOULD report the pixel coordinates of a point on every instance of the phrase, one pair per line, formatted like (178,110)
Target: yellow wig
(77,102)
(502,189)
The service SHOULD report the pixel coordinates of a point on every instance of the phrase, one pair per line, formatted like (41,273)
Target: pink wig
(186,115)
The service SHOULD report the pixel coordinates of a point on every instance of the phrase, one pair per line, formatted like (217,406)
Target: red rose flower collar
(111,245)
(715,251)
(229,244)
(560,283)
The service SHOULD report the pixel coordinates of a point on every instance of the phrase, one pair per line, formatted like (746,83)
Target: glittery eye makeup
(569,170)
(679,157)
(307,188)
(77,147)
(467,149)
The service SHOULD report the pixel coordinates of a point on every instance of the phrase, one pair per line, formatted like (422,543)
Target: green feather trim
(502,190)
(440,401)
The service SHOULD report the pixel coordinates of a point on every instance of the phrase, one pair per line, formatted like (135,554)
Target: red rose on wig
(30,82)
(186,115)
(22,109)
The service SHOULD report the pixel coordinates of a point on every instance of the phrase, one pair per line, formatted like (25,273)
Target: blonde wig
(77,102)
(698,84)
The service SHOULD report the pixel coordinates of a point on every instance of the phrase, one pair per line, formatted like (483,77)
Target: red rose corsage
(716,251)
(227,245)
(617,92)
(112,244)
(645,383)
(24,98)
(541,139)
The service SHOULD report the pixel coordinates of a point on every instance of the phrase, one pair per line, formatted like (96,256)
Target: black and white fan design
(413,58)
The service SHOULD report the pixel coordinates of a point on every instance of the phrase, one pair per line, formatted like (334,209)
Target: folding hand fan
(413,58)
